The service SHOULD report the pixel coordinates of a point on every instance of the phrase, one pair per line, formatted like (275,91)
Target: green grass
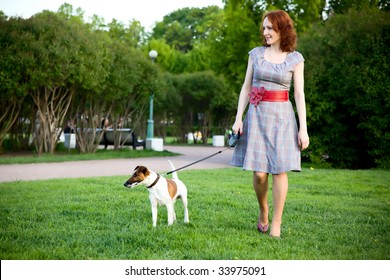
(74,156)
(329,214)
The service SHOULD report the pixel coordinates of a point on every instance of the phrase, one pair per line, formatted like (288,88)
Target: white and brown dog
(162,191)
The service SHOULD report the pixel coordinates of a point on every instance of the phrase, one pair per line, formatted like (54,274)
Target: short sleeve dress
(269,142)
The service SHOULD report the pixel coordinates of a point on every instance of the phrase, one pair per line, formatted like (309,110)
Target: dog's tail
(174,174)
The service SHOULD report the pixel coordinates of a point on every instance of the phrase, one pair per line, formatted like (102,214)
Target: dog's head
(140,174)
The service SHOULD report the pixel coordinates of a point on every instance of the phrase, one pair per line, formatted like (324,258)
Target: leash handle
(194,162)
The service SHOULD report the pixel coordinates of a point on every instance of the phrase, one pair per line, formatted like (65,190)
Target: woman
(270,142)
(105,124)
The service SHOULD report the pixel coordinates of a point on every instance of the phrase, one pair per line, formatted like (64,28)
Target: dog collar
(155,182)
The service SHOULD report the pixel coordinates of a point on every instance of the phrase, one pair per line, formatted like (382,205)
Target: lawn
(329,214)
(73,155)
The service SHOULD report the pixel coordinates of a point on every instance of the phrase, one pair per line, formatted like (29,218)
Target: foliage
(183,28)
(376,110)
(236,37)
(12,94)
(183,39)
(341,7)
(42,48)
(131,35)
(66,69)
(97,218)
(304,13)
(169,59)
(347,93)
(196,102)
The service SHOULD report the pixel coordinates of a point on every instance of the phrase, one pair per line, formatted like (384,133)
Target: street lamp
(150,131)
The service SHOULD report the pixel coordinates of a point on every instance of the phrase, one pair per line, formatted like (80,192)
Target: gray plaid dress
(269,142)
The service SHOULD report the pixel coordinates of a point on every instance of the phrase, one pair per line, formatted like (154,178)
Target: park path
(113,167)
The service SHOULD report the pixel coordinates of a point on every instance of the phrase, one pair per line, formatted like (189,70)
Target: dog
(162,191)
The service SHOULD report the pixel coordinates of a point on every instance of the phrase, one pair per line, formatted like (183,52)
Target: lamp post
(150,130)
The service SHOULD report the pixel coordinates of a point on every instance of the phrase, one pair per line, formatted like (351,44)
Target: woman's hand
(237,127)
(303,140)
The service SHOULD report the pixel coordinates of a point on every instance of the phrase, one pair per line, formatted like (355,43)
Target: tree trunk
(52,105)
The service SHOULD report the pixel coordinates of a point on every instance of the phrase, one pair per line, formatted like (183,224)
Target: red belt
(261,94)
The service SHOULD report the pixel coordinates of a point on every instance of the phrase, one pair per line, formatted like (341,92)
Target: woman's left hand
(303,140)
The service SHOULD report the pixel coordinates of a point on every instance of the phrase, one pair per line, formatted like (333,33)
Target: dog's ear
(136,168)
(144,170)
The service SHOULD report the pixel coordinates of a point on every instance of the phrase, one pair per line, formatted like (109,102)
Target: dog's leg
(153,202)
(185,204)
(171,213)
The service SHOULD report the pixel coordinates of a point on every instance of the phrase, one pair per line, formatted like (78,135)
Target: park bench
(127,137)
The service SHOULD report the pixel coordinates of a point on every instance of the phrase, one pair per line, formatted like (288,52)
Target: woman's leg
(279,194)
(260,185)
(105,141)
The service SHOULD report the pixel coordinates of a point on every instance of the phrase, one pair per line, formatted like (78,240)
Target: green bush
(347,89)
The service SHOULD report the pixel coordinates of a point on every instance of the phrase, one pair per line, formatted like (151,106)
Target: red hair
(282,24)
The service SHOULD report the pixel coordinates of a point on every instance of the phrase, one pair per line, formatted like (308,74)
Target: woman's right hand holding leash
(237,127)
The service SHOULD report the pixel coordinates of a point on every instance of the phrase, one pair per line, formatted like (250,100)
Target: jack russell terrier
(162,191)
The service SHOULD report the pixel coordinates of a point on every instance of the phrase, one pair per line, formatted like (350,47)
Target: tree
(182,28)
(193,102)
(168,58)
(182,39)
(342,103)
(237,35)
(89,101)
(343,6)
(240,31)
(376,108)
(64,59)
(71,71)
(304,13)
(132,78)
(132,34)
(11,74)
(121,93)
(50,56)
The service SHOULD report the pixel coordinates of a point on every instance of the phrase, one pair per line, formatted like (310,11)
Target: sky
(146,11)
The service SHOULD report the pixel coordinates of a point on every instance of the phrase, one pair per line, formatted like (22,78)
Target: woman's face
(270,35)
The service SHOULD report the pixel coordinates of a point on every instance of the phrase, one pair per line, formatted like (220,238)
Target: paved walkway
(113,167)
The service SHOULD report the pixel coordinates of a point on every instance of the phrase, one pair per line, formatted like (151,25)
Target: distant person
(105,125)
(69,128)
(120,123)
(270,142)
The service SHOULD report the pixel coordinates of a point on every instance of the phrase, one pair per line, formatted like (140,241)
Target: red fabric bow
(256,95)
